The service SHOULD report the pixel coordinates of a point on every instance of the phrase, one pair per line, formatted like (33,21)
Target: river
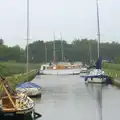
(69,98)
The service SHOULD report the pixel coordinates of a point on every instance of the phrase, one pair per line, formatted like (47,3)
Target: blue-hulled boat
(97,75)
(31,89)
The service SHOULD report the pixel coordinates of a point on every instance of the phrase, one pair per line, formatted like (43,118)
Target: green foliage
(112,70)
(9,68)
(19,78)
(77,50)
(1,41)
(117,60)
(111,66)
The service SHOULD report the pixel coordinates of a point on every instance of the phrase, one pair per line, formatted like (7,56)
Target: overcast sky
(74,18)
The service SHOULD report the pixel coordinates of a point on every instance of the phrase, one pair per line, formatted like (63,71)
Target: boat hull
(19,115)
(31,92)
(61,72)
(96,80)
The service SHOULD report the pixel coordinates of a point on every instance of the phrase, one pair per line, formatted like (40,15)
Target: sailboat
(97,75)
(13,103)
(31,89)
(61,68)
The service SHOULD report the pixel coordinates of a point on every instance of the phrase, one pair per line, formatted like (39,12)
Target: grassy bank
(10,68)
(20,78)
(112,70)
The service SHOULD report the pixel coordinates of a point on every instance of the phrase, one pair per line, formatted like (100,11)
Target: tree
(78,50)
(1,41)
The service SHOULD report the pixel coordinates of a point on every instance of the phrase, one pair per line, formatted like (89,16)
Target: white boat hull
(96,80)
(30,91)
(61,72)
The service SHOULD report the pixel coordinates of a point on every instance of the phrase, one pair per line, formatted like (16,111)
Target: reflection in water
(96,92)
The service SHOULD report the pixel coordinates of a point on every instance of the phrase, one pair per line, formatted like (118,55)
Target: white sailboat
(97,75)
(31,89)
(15,105)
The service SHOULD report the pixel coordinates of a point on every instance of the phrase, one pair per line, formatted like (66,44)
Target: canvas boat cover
(28,85)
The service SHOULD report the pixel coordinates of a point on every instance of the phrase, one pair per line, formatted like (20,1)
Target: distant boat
(63,68)
(83,71)
(13,103)
(97,75)
(31,89)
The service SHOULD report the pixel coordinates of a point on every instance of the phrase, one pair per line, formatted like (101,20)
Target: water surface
(69,98)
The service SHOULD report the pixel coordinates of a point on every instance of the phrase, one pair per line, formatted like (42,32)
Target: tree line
(78,50)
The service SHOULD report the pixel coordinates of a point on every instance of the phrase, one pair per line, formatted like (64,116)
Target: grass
(16,72)
(20,78)
(10,68)
(111,69)
(111,66)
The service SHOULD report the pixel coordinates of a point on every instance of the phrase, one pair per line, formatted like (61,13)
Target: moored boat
(13,104)
(60,69)
(97,75)
(83,71)
(29,88)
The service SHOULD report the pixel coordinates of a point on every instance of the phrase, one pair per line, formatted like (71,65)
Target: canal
(69,98)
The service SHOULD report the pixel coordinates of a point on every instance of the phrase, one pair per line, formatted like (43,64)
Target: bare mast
(98,27)
(62,48)
(46,52)
(90,53)
(27,64)
(54,54)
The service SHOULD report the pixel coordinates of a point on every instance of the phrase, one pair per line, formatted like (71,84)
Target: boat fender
(21,105)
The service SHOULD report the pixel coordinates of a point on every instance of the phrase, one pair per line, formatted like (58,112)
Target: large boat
(60,69)
(13,104)
(31,89)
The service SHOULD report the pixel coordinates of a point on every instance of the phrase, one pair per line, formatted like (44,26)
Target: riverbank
(113,70)
(116,82)
(20,78)
(15,73)
(11,68)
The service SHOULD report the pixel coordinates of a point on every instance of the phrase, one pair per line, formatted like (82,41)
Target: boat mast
(54,55)
(98,27)
(27,64)
(90,54)
(45,52)
(62,49)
